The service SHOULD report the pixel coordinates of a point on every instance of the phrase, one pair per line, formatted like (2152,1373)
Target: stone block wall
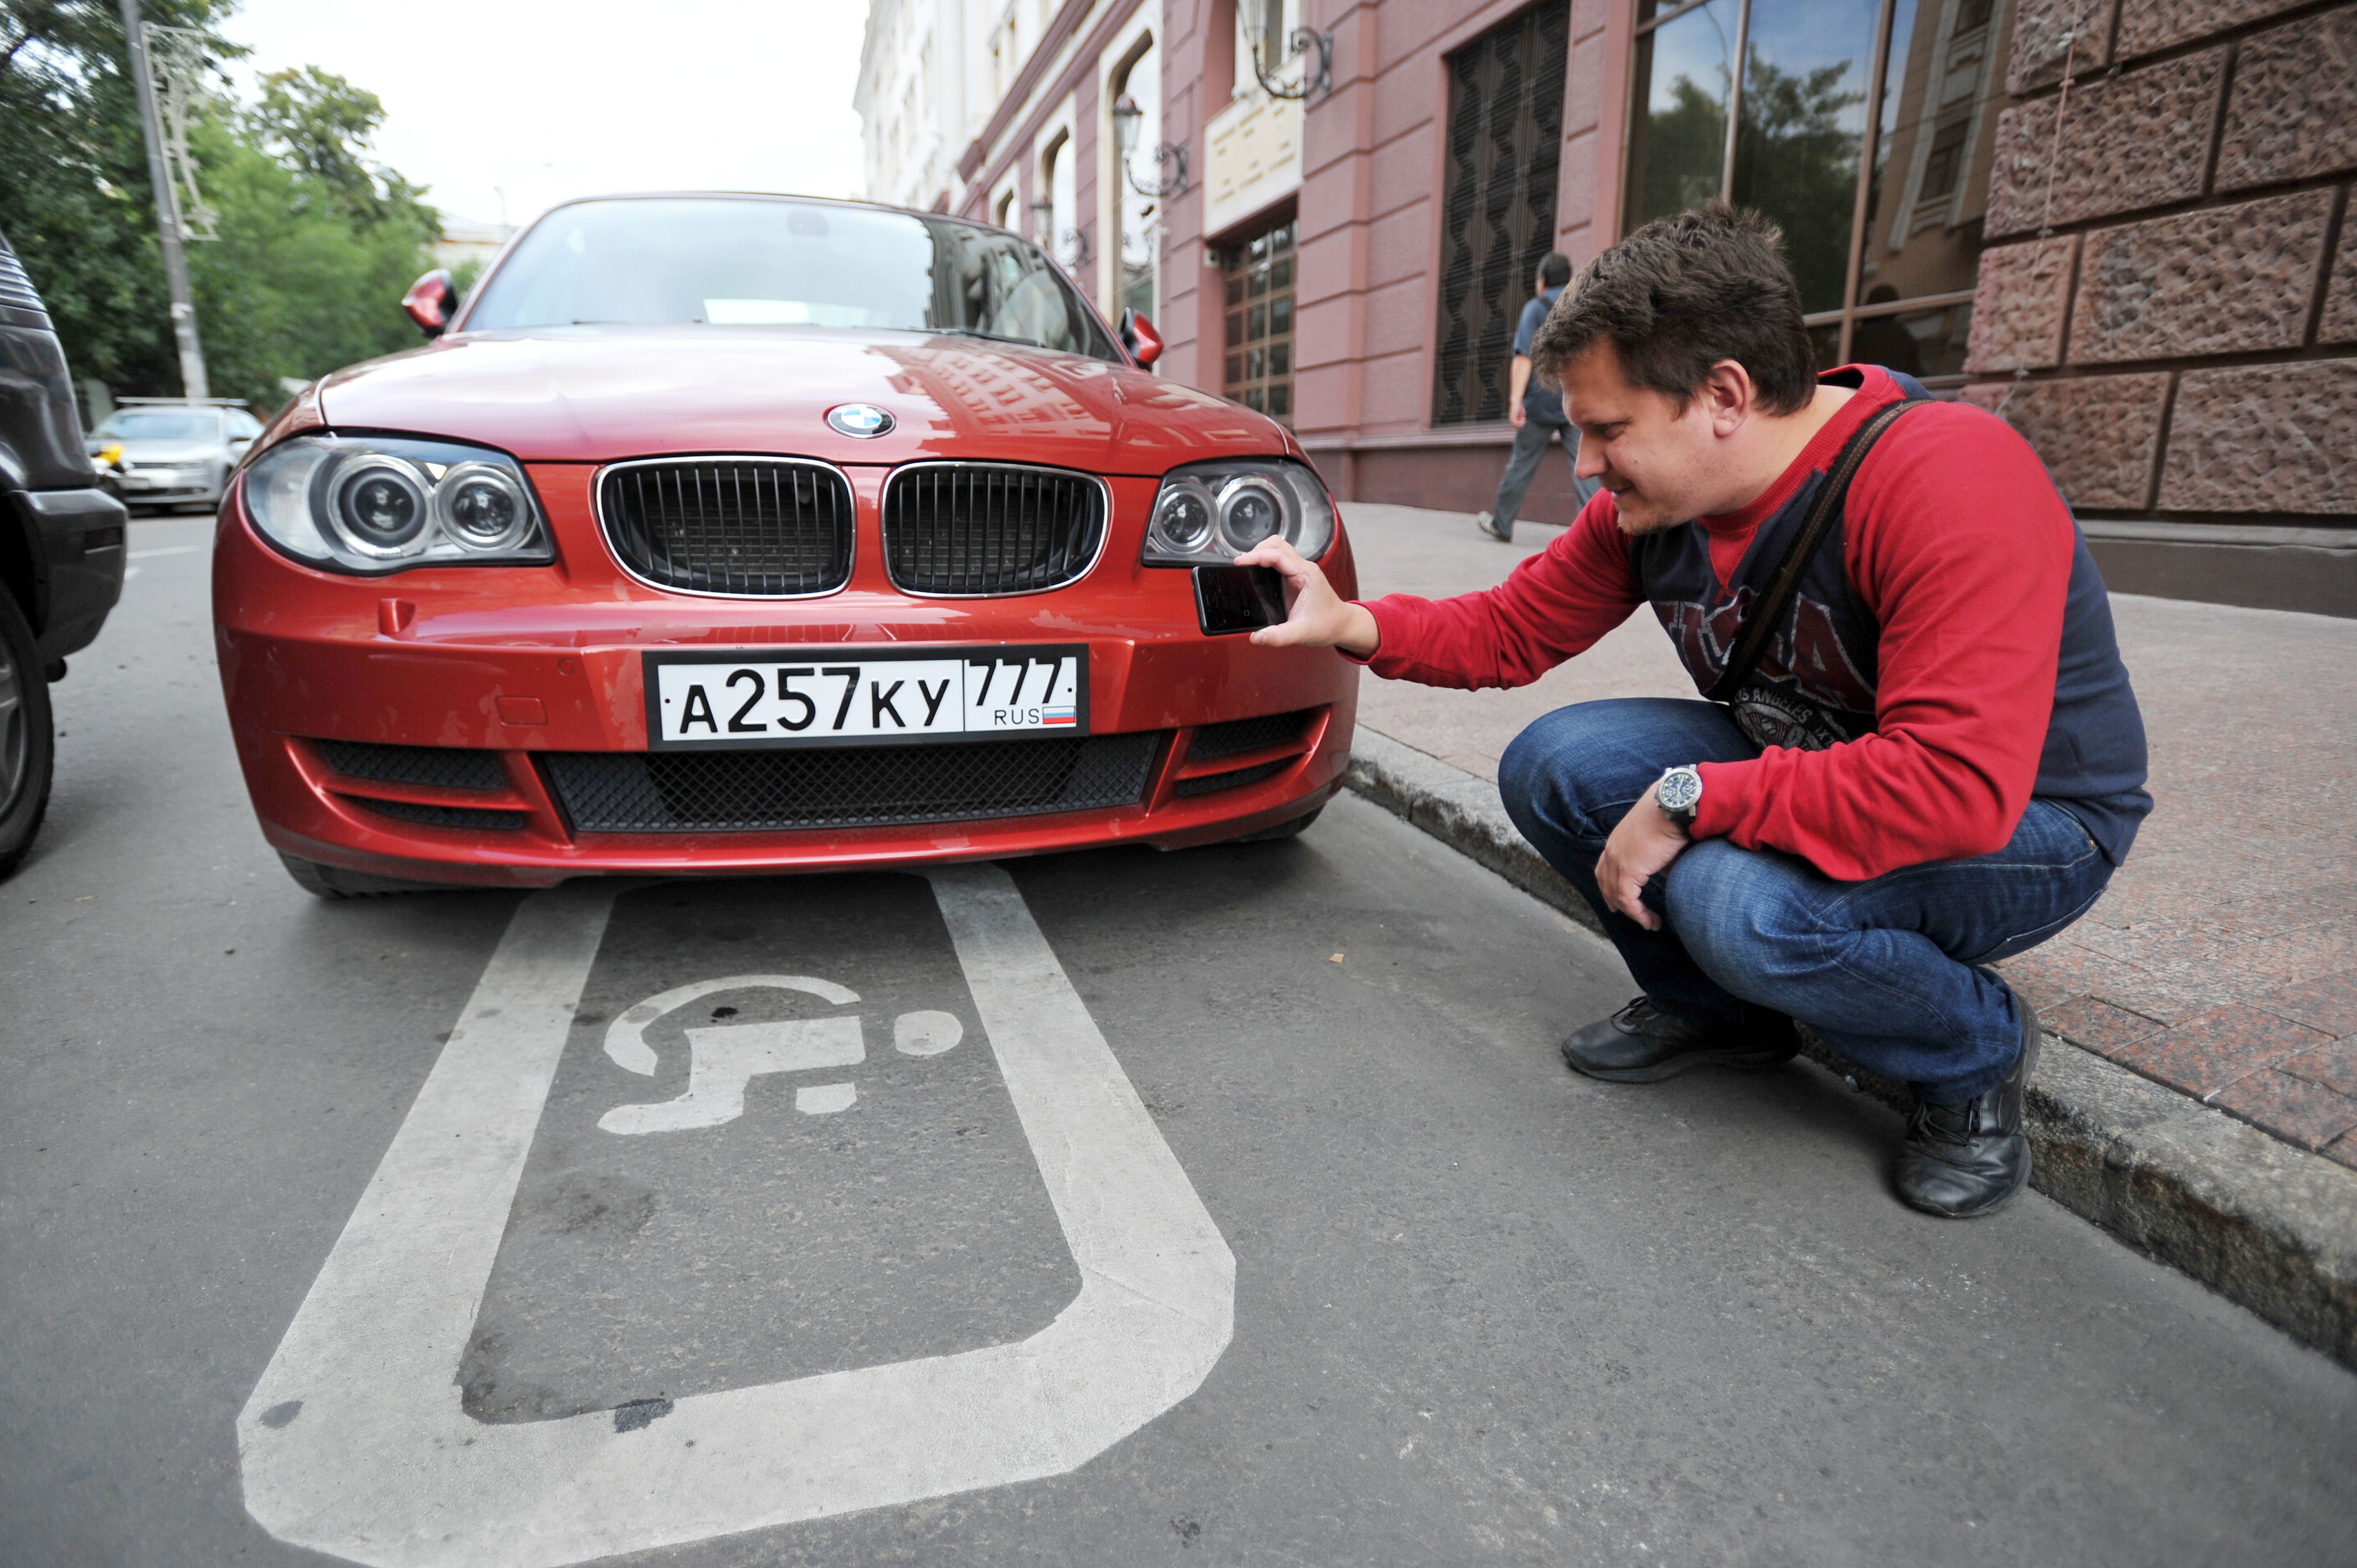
(2167,302)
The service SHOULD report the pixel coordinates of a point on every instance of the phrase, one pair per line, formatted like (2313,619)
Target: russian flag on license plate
(1054,718)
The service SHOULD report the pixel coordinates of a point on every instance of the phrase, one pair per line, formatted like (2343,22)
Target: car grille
(472,818)
(1212,783)
(850,787)
(760,528)
(447,766)
(1240,736)
(984,528)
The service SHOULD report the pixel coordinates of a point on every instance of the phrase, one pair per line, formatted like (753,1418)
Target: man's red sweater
(1956,541)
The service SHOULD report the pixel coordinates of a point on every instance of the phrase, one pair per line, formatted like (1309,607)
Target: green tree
(317,241)
(320,126)
(75,196)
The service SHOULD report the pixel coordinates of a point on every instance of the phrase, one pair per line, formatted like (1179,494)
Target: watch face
(1679,790)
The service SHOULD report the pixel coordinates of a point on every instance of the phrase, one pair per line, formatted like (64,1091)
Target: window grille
(1258,277)
(1505,147)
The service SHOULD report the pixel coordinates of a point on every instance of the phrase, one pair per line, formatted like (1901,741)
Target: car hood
(598,393)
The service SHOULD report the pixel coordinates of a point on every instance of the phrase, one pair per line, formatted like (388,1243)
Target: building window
(1789,132)
(1258,277)
(1505,145)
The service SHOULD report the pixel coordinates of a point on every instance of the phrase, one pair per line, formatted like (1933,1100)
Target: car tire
(28,741)
(334,882)
(1292,830)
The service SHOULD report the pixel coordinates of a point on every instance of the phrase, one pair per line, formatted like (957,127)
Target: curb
(2267,1226)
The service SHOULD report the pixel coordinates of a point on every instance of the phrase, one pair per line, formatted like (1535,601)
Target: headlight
(1209,513)
(373,504)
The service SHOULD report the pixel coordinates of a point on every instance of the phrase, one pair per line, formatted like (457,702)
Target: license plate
(827,694)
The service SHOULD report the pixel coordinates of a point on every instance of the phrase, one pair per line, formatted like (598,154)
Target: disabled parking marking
(354,1441)
(725,1060)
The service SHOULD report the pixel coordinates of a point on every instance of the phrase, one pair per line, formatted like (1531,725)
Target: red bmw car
(736,534)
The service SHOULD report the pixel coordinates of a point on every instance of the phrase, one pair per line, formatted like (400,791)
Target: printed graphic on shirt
(1807,692)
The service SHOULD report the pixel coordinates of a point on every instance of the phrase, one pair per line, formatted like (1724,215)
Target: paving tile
(2344,1149)
(2333,1066)
(2204,1054)
(2099,1024)
(2329,1004)
(2293,1109)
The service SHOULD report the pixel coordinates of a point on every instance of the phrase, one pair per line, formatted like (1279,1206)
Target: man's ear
(1729,396)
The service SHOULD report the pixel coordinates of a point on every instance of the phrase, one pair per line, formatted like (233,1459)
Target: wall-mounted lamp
(1126,119)
(1322,81)
(1043,221)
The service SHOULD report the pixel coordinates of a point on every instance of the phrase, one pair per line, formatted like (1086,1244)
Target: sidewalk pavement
(2208,1115)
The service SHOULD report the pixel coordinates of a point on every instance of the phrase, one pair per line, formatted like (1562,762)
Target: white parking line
(166,550)
(355,1443)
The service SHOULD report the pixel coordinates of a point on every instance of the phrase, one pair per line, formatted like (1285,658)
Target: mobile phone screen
(1238,598)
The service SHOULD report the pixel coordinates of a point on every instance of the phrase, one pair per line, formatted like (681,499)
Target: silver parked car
(169,453)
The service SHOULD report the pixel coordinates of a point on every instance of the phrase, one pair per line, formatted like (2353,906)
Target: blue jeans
(1891,971)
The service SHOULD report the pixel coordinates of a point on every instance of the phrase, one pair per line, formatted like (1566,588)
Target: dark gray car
(61,551)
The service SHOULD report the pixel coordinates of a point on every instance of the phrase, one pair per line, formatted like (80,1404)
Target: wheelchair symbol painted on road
(728,1057)
(355,1441)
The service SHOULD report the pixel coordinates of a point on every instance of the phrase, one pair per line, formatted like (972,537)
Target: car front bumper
(482,698)
(77,544)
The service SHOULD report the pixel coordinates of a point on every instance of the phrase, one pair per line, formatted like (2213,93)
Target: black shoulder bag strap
(1768,612)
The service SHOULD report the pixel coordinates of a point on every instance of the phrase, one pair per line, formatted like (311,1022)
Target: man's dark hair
(1679,295)
(1555,271)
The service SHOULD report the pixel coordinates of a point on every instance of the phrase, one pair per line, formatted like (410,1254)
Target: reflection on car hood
(596,394)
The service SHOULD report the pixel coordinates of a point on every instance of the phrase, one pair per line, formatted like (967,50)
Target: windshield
(738,263)
(162,427)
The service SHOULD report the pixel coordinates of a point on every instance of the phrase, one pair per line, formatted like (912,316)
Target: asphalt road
(1480,1310)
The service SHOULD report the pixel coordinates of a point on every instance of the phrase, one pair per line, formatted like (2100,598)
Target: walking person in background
(1536,411)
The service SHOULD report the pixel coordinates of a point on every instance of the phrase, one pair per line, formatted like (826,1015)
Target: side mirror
(431,301)
(1138,336)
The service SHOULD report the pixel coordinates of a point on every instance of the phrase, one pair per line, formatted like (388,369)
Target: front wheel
(28,742)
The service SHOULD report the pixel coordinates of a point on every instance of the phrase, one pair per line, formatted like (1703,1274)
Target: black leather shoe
(1644,1043)
(1960,1161)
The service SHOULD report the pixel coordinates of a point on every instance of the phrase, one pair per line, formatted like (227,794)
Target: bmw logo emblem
(859,419)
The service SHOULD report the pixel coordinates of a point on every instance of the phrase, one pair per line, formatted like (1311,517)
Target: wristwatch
(1679,794)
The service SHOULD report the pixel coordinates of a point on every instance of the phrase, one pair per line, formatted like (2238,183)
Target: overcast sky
(549,101)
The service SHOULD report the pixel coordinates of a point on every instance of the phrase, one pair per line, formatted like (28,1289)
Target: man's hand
(1517,415)
(1640,848)
(1319,618)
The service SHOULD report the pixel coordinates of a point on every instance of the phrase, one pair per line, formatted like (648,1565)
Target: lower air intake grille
(988,528)
(756,527)
(851,787)
(1240,736)
(1212,783)
(473,819)
(447,767)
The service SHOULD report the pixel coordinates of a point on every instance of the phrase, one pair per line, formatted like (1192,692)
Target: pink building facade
(1351,260)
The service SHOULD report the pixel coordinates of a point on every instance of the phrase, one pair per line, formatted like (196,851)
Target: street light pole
(167,210)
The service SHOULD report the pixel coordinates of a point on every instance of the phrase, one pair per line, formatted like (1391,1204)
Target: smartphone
(1238,598)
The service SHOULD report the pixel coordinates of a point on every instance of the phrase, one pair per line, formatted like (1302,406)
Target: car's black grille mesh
(1240,736)
(474,818)
(447,767)
(979,528)
(850,787)
(756,527)
(1212,783)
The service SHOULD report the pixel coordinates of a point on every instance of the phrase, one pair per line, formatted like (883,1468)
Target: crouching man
(1923,756)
